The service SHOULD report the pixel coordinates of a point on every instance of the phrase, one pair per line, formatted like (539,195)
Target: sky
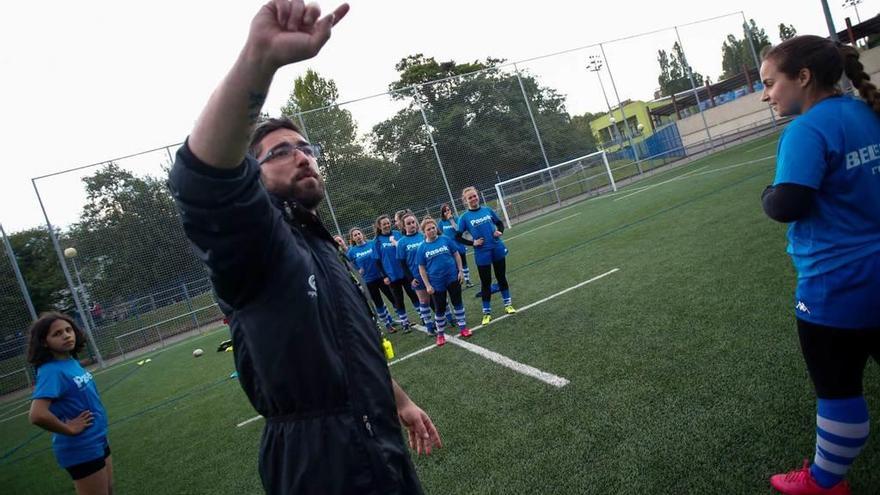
(86,82)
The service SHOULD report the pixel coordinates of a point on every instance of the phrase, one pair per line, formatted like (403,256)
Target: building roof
(686,99)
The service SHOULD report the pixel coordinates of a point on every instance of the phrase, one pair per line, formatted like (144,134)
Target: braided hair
(827,62)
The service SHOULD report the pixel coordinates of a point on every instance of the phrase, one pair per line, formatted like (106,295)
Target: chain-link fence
(136,283)
(16,313)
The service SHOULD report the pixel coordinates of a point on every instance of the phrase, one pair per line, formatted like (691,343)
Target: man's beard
(308,197)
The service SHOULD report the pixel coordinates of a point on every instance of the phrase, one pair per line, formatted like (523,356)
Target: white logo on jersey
(361,254)
(415,245)
(314,292)
(802,307)
(434,252)
(82,380)
(481,220)
(862,156)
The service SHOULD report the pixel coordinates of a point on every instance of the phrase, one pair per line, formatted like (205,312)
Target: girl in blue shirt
(365,258)
(448,226)
(485,229)
(441,271)
(386,247)
(407,249)
(66,402)
(827,187)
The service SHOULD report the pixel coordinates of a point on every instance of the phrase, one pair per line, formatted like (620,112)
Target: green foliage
(787,32)
(675,71)
(736,54)
(38,263)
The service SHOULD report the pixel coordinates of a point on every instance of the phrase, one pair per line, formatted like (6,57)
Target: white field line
(541,227)
(13,417)
(525,369)
(679,177)
(750,150)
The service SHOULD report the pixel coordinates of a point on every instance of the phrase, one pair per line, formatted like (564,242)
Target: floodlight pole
(418,100)
(622,112)
(76,299)
(694,87)
(747,32)
(18,277)
(537,133)
(326,193)
(595,65)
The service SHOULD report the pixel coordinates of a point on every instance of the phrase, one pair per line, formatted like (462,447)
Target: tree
(787,32)
(737,53)
(675,72)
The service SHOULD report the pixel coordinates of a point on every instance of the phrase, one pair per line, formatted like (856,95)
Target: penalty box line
(549,378)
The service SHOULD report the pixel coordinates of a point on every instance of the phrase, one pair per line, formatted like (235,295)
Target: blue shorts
(843,298)
(487,256)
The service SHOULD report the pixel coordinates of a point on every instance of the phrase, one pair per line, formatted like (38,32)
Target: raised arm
(283,32)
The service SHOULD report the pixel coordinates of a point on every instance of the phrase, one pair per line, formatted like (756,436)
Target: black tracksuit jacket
(306,348)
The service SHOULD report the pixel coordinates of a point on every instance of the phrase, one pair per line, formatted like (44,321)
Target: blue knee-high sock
(440,320)
(425,313)
(467,275)
(448,315)
(459,316)
(505,294)
(842,427)
(382,313)
(487,307)
(403,317)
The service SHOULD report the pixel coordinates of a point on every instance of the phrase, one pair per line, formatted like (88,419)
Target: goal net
(553,187)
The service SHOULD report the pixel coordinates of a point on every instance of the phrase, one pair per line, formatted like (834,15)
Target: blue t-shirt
(387,251)
(364,258)
(834,148)
(447,228)
(438,260)
(481,223)
(72,391)
(407,248)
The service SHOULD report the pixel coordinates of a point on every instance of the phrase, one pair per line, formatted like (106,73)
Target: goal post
(552,187)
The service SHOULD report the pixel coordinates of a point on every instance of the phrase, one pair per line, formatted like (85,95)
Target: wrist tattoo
(255,104)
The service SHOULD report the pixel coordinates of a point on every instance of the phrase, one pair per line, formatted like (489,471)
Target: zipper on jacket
(368,426)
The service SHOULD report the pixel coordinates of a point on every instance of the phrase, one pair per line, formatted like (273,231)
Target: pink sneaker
(801,482)
(441,339)
(465,333)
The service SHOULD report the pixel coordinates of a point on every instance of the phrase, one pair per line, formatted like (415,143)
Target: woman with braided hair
(827,187)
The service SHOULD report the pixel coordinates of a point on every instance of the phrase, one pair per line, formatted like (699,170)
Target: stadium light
(594,64)
(855,5)
(71,253)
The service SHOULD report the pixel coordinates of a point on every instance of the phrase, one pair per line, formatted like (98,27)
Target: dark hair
(444,207)
(264,128)
(37,352)
(827,62)
(377,228)
(351,235)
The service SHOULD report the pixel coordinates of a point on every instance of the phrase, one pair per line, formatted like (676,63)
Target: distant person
(827,187)
(490,253)
(66,402)
(441,271)
(365,258)
(386,247)
(407,249)
(449,227)
(307,352)
(341,243)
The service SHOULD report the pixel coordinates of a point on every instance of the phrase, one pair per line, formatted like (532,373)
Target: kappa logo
(314,292)
(802,307)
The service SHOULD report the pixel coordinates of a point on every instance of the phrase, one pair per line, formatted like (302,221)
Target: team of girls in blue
(365,257)
(448,225)
(485,229)
(441,272)
(66,402)
(386,247)
(827,186)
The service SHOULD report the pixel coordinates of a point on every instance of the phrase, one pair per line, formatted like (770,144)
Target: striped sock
(403,317)
(505,294)
(448,315)
(842,427)
(487,307)
(459,316)
(425,313)
(382,313)
(440,320)
(467,275)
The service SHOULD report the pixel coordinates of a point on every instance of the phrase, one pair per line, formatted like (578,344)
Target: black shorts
(836,357)
(88,468)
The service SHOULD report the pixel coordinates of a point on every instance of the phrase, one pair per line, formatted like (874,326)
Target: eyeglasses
(310,150)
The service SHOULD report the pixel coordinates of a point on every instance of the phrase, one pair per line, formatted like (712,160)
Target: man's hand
(423,436)
(76,425)
(288,31)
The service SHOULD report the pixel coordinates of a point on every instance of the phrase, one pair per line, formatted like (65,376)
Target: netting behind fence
(15,372)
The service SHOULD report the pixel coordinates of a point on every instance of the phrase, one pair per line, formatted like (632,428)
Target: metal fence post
(622,112)
(537,133)
(694,88)
(305,132)
(434,145)
(18,277)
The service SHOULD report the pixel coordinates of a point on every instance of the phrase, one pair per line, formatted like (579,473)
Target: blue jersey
(72,391)
(447,228)
(834,148)
(438,260)
(386,247)
(364,258)
(480,223)
(407,247)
